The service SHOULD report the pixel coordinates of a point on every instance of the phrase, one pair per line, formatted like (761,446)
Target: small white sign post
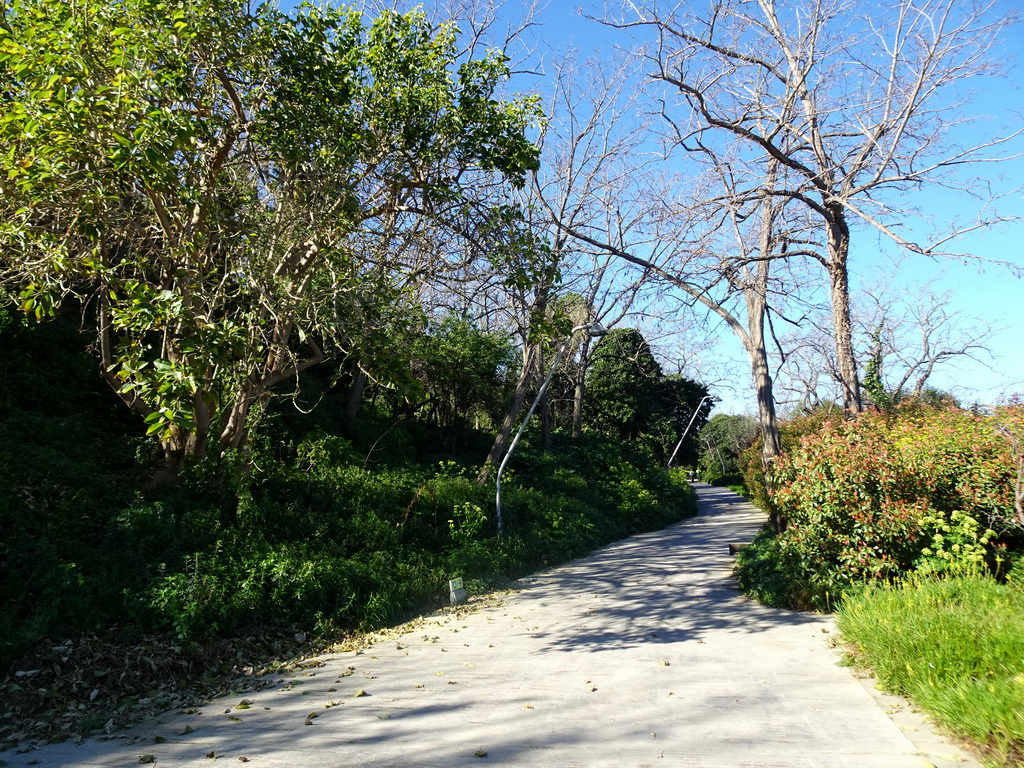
(457,592)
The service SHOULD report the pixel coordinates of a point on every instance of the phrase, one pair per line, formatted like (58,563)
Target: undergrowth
(332,525)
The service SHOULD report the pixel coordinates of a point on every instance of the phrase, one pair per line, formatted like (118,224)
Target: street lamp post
(687,430)
(595,329)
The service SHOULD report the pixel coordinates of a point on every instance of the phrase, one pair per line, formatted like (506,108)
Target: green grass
(954,647)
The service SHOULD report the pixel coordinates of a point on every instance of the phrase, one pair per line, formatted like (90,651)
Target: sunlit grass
(955,647)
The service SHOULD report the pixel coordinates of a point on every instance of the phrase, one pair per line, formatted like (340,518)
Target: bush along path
(643,653)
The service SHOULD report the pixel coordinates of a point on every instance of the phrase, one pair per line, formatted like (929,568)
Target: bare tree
(680,245)
(842,106)
(584,169)
(902,338)
(914,335)
(714,236)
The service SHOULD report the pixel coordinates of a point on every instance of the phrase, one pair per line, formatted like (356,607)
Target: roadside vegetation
(954,646)
(272,302)
(331,525)
(907,523)
(279,283)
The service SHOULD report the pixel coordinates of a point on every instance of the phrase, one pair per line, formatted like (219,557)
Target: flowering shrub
(885,493)
(790,434)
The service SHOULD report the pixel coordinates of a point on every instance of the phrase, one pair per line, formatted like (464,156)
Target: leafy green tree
(464,371)
(677,399)
(629,397)
(722,441)
(622,384)
(213,183)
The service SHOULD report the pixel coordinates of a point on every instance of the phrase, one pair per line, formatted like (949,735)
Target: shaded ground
(643,654)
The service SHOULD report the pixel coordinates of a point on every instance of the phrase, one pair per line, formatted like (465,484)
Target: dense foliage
(922,488)
(722,441)
(230,190)
(631,398)
(334,524)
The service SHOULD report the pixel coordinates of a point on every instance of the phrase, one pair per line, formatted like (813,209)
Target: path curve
(642,654)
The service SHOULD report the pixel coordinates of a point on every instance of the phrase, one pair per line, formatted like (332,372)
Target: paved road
(643,654)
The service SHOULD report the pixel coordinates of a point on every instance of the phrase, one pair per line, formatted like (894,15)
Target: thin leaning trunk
(501,441)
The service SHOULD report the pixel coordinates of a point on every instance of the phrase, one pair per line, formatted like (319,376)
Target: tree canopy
(218,185)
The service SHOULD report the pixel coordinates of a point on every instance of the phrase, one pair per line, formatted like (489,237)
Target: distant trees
(901,342)
(722,440)
(624,380)
(629,396)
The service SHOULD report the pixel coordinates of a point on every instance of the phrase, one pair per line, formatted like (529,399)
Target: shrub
(333,524)
(220,593)
(877,496)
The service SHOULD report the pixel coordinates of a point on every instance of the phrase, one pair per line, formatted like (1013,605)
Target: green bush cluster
(332,525)
(922,488)
(320,545)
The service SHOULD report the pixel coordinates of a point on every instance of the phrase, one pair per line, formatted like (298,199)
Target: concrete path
(643,654)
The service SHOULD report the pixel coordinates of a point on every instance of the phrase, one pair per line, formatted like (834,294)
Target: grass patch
(955,647)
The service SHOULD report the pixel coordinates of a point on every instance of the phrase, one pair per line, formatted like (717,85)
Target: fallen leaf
(147,758)
(360,693)
(187,731)
(243,759)
(159,739)
(212,754)
(665,663)
(480,753)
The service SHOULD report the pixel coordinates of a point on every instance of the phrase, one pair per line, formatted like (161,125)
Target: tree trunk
(756,295)
(839,278)
(501,441)
(544,406)
(533,353)
(580,388)
(545,420)
(355,394)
